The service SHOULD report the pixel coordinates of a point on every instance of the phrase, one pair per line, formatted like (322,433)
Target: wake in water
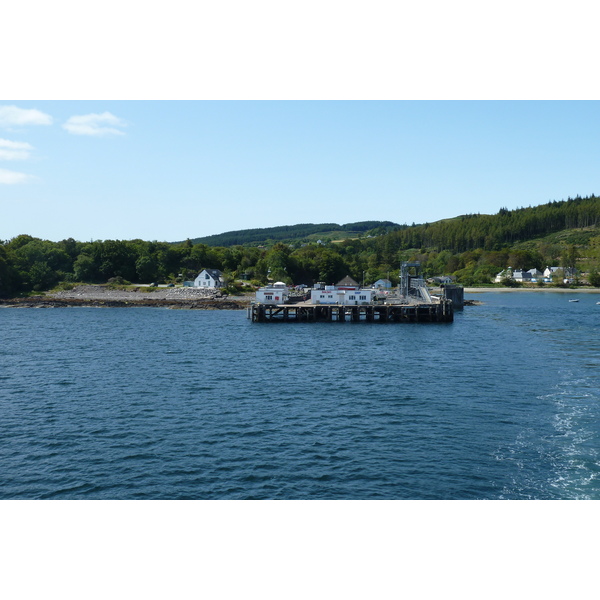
(563,463)
(577,427)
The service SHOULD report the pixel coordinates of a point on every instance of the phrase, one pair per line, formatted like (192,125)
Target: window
(363,297)
(351,297)
(268,297)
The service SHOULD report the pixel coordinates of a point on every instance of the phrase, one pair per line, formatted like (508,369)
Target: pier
(305,312)
(349,302)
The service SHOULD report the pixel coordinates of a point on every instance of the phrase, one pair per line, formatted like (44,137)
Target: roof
(347,281)
(214,273)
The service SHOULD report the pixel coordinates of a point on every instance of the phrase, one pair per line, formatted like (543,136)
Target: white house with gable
(520,275)
(567,272)
(507,273)
(209,278)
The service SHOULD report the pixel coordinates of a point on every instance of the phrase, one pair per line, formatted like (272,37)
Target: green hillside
(302,232)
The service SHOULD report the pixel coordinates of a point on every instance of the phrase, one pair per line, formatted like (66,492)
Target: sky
(169,170)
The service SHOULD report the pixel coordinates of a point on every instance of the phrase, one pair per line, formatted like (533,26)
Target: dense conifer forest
(291,233)
(472,248)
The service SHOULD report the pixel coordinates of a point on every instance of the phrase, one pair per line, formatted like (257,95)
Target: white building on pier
(333,295)
(276,293)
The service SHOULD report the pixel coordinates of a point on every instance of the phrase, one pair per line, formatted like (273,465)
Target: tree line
(473,248)
(290,233)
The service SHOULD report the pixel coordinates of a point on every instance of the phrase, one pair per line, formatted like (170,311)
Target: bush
(594,278)
(234,289)
(118,281)
(510,282)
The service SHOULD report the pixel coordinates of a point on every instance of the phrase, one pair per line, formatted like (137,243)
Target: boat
(577,300)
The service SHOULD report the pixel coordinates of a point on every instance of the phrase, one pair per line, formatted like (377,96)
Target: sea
(150,403)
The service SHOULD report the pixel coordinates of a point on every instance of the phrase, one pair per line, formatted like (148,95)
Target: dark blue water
(141,403)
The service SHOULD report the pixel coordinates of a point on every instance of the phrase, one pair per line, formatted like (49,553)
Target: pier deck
(438,312)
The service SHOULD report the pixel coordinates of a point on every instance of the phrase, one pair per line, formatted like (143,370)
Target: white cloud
(11,177)
(10,150)
(13,115)
(94,124)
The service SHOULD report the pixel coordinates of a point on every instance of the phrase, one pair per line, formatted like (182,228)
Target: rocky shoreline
(97,296)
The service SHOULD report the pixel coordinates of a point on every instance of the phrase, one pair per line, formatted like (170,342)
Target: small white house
(549,271)
(520,275)
(567,273)
(503,274)
(209,278)
(276,293)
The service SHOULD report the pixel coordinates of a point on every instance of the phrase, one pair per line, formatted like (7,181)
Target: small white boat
(577,300)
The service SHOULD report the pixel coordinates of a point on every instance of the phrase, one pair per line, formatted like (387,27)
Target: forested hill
(495,232)
(290,233)
(467,232)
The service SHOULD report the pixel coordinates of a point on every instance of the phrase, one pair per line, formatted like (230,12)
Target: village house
(383,284)
(441,280)
(518,275)
(347,284)
(566,272)
(209,278)
(521,276)
(535,276)
(506,273)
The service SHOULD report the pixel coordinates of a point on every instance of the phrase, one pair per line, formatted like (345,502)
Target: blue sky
(169,170)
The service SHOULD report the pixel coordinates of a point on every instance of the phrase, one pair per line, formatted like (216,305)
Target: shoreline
(37,302)
(92,296)
(474,290)
(99,296)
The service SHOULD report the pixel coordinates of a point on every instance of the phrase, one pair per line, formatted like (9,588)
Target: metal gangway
(412,285)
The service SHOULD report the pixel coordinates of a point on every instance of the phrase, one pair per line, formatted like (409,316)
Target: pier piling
(438,312)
